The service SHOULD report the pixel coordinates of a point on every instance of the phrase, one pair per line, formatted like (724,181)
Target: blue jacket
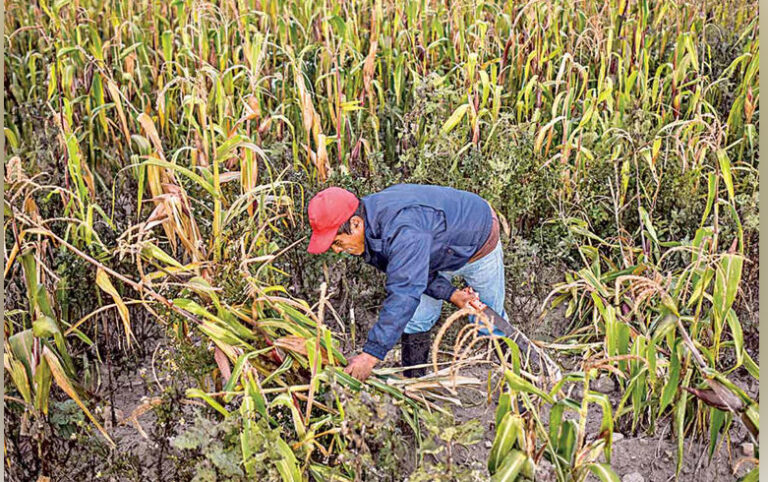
(411,232)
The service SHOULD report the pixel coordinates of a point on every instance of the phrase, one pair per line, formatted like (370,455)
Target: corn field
(159,160)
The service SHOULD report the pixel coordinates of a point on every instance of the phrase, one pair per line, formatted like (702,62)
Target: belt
(490,243)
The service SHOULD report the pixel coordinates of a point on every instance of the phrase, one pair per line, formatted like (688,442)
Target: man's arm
(407,275)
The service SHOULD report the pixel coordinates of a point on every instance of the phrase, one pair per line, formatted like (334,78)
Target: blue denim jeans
(485,276)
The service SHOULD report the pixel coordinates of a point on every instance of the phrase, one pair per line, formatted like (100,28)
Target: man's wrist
(453,294)
(370,357)
(375,351)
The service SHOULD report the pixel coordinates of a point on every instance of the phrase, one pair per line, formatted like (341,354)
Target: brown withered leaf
(296,344)
(717,396)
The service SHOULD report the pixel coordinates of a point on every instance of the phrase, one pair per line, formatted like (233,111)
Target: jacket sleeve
(440,288)
(407,277)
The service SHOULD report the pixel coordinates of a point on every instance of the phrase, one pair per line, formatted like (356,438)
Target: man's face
(352,243)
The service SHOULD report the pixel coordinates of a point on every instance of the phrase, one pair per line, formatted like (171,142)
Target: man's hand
(360,366)
(466,296)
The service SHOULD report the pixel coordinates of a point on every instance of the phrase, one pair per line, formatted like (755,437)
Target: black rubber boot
(415,351)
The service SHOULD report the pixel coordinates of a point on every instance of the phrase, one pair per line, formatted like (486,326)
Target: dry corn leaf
(63,382)
(296,344)
(114,92)
(151,132)
(102,280)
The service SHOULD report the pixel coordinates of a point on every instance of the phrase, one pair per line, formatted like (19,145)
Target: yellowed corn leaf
(369,67)
(151,132)
(321,161)
(265,125)
(12,257)
(88,178)
(223,363)
(18,374)
(114,92)
(155,179)
(102,280)
(253,104)
(63,382)
(307,109)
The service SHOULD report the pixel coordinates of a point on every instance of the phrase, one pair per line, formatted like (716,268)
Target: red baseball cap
(328,210)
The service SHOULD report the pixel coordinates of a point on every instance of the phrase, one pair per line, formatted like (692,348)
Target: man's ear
(357,222)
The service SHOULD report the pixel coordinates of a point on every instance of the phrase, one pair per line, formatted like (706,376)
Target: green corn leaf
(727,281)
(738,336)
(691,48)
(197,393)
(45,327)
(504,406)
(518,383)
(454,119)
(13,139)
(510,467)
(566,444)
(737,222)
(606,423)
(508,433)
(752,414)
(751,366)
(238,369)
(285,400)
(253,389)
(648,225)
(42,384)
(52,81)
(167,42)
(287,466)
(326,473)
(711,195)
(29,265)
(514,354)
(590,278)
(678,420)
(700,286)
(670,388)
(604,472)
(650,356)
(716,420)
(183,170)
(639,370)
(725,170)
(21,349)
(752,476)
(220,335)
(194,308)
(152,252)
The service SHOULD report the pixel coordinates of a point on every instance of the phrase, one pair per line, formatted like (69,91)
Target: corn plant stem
(318,351)
(691,347)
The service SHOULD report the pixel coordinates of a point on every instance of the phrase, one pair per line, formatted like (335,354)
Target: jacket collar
(373,242)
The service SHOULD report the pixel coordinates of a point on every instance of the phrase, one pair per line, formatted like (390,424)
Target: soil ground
(635,456)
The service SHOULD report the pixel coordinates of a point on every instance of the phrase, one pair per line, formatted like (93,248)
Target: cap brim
(320,242)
